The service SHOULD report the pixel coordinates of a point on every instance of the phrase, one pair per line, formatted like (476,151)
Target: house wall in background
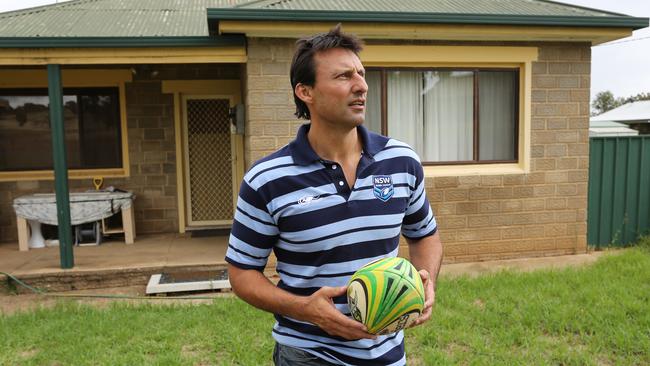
(539,213)
(481,217)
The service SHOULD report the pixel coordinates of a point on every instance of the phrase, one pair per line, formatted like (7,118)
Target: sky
(620,66)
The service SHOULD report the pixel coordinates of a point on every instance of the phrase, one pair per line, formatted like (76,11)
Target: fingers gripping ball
(386,295)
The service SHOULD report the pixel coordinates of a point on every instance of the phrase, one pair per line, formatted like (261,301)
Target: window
(92,129)
(449,116)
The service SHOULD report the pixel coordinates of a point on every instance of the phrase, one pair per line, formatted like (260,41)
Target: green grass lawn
(595,315)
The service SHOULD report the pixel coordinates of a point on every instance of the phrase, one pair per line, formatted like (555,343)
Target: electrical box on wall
(238,118)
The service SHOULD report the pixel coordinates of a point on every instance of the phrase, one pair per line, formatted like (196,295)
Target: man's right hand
(319,309)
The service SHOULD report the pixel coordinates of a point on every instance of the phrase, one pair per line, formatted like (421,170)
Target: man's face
(339,93)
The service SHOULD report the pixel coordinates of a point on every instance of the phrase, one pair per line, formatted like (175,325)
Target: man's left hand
(429,298)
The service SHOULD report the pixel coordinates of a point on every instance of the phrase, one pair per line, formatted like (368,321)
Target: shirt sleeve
(419,220)
(254,232)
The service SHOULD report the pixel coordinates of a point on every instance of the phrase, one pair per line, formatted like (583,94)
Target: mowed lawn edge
(598,314)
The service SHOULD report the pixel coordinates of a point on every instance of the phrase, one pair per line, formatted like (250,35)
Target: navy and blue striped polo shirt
(321,231)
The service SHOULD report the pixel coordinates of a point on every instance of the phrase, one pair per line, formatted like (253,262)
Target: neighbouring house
(609,128)
(634,115)
(493,95)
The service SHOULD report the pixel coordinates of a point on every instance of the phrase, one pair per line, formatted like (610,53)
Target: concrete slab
(113,263)
(147,251)
(185,251)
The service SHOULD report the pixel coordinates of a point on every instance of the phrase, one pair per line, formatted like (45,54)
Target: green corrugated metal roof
(173,19)
(497,7)
(113,18)
(497,12)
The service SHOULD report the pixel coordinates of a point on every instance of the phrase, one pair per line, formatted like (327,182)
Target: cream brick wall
(270,123)
(542,213)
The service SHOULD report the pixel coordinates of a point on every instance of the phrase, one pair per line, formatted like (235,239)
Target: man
(314,204)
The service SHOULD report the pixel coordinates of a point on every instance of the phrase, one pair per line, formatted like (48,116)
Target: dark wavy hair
(303,70)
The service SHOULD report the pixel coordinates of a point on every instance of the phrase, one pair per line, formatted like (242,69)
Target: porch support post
(60,166)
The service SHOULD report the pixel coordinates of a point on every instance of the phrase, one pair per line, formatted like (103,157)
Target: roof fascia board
(121,42)
(110,56)
(424,18)
(445,32)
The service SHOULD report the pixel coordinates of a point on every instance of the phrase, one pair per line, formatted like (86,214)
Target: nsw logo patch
(382,187)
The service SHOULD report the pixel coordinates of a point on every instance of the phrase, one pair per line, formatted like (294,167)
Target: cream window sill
(476,169)
(72,174)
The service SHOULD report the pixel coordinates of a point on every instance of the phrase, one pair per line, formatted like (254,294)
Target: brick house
(155,81)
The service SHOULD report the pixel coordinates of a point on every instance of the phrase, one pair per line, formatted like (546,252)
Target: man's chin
(357,120)
(350,121)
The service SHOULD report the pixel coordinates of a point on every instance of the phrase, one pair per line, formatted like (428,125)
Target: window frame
(73,79)
(379,55)
(85,91)
(476,109)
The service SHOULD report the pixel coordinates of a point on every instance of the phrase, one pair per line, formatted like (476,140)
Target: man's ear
(304,92)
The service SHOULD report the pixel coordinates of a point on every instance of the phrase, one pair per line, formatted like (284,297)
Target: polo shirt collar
(303,154)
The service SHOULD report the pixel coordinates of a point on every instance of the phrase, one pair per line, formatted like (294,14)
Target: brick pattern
(152,154)
(480,217)
(270,122)
(152,151)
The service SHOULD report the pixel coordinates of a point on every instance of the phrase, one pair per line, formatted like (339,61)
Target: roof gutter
(121,42)
(424,18)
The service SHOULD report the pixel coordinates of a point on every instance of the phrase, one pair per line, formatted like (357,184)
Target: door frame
(179,88)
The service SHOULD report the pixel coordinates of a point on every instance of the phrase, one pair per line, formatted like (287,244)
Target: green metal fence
(619,190)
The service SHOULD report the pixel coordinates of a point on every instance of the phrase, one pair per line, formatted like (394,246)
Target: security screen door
(209,163)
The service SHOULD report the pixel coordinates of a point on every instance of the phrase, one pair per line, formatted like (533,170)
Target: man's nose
(360,85)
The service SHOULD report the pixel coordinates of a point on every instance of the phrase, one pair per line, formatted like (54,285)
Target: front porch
(113,263)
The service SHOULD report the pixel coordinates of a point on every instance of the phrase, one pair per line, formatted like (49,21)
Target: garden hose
(99,296)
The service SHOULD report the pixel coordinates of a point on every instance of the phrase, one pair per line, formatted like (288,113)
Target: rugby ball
(386,295)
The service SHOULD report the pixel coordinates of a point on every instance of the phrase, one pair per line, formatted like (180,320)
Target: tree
(604,102)
(637,98)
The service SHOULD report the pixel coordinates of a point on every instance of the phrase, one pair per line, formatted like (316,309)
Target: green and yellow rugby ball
(386,295)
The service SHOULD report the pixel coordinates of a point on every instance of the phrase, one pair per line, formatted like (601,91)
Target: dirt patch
(28,354)
(11,304)
(475,269)
(455,348)
(414,360)
(189,351)
(603,360)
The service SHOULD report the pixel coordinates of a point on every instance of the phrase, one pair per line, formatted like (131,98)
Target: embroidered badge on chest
(307,200)
(383,187)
